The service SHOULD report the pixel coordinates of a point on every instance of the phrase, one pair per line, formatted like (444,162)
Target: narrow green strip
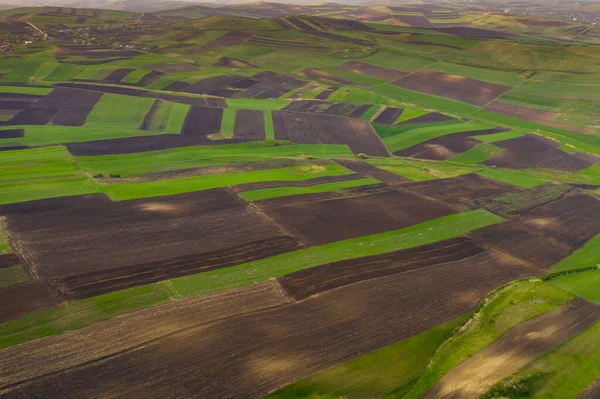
(477,154)
(269,129)
(257,195)
(371,112)
(228,120)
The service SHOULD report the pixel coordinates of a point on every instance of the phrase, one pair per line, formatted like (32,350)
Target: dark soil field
(427,118)
(591,392)
(326,220)
(452,86)
(517,111)
(12,133)
(547,233)
(415,21)
(515,349)
(147,122)
(329,108)
(202,121)
(326,129)
(118,74)
(208,85)
(13,27)
(301,183)
(131,145)
(11,104)
(249,125)
(460,189)
(233,63)
(372,171)
(140,241)
(304,283)
(326,77)
(252,351)
(176,86)
(22,299)
(8,260)
(149,78)
(32,116)
(208,102)
(533,151)
(73,105)
(269,85)
(389,116)
(339,24)
(372,70)
(325,93)
(446,147)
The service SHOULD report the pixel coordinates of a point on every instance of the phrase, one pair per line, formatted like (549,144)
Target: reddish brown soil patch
(452,86)
(15,27)
(249,125)
(184,35)
(234,63)
(284,24)
(80,19)
(14,104)
(301,183)
(371,171)
(20,300)
(118,74)
(591,392)
(548,233)
(533,151)
(176,86)
(137,242)
(446,147)
(202,121)
(517,111)
(460,189)
(269,85)
(208,102)
(73,105)
(323,76)
(515,349)
(232,349)
(147,122)
(323,221)
(372,70)
(326,129)
(8,260)
(427,118)
(304,283)
(389,116)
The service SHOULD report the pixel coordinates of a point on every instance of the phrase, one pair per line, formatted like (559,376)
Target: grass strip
(125,191)
(12,275)
(477,154)
(269,128)
(257,195)
(78,314)
(228,120)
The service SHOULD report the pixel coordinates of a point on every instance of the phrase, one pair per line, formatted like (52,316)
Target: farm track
(515,349)
(248,354)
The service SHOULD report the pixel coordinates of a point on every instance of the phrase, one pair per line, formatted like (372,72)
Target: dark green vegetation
(300,201)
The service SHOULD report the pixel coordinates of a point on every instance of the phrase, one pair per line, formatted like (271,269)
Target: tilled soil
(268,85)
(326,220)
(415,21)
(130,145)
(233,63)
(533,151)
(90,245)
(73,105)
(326,129)
(301,183)
(248,354)
(372,171)
(249,125)
(202,121)
(460,189)
(147,122)
(530,114)
(515,349)
(452,86)
(12,133)
(324,76)
(149,78)
(427,118)
(118,74)
(389,116)
(23,299)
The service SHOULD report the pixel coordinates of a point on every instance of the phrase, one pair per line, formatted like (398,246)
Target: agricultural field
(297,201)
